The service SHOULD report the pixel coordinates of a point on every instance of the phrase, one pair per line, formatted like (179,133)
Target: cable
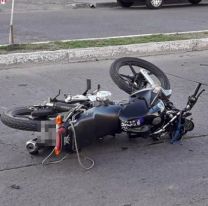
(190,80)
(53,162)
(44,160)
(77,151)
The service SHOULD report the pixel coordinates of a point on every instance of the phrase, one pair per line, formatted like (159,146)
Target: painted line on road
(136,35)
(115,37)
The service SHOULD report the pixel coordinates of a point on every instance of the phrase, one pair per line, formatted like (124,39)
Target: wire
(190,80)
(44,162)
(77,151)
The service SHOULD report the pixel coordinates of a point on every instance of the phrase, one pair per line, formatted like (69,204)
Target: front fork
(177,126)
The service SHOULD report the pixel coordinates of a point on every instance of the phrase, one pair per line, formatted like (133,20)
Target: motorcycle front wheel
(125,72)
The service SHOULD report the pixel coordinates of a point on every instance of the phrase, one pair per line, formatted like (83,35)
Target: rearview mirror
(88,84)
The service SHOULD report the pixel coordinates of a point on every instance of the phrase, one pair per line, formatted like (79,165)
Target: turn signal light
(59,120)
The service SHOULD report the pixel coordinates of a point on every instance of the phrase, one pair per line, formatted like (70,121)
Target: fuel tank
(97,122)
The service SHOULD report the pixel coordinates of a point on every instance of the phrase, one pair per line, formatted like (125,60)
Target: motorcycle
(79,120)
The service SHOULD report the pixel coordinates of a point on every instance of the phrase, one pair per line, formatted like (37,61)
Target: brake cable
(44,162)
(190,80)
(77,151)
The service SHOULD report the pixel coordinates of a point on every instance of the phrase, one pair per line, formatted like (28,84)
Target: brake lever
(193,99)
(97,90)
(197,89)
(54,99)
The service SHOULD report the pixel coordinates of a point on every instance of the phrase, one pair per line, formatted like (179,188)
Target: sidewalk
(103,53)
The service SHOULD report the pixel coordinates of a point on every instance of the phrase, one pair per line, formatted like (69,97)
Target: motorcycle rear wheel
(18,118)
(133,82)
(28,118)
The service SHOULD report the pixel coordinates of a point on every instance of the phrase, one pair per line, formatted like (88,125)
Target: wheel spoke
(127,76)
(139,81)
(132,69)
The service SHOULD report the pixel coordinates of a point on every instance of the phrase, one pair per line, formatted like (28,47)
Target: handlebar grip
(197,89)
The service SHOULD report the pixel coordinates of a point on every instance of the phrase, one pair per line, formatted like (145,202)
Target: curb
(103,53)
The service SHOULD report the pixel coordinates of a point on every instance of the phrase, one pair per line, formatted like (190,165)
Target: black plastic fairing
(97,122)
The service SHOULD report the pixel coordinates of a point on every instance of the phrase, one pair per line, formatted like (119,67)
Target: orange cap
(57,151)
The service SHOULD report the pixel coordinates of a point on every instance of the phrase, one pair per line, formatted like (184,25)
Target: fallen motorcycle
(77,121)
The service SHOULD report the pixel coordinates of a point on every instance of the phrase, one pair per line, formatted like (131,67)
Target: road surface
(126,172)
(32,25)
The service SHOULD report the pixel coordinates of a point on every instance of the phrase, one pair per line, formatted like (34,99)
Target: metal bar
(147,77)
(11,28)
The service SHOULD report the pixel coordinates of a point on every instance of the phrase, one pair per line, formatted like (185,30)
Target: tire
(14,118)
(45,112)
(194,1)
(125,4)
(153,4)
(42,113)
(123,85)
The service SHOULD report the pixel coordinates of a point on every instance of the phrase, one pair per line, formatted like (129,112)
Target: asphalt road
(67,23)
(138,174)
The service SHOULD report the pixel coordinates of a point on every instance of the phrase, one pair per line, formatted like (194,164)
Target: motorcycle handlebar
(197,89)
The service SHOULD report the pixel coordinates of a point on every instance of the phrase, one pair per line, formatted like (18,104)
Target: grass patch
(56,45)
